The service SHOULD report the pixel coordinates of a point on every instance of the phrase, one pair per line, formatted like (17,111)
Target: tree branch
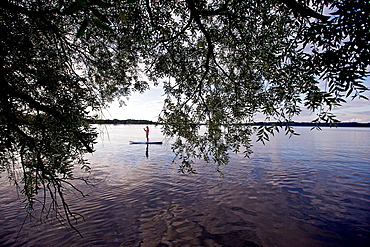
(303,10)
(196,14)
(181,32)
(47,109)
(220,11)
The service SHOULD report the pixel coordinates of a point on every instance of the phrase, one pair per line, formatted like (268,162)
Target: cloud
(145,105)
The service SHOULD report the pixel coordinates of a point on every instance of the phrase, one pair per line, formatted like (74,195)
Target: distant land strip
(116,121)
(307,124)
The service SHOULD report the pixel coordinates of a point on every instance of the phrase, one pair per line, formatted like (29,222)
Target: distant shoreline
(116,121)
(309,124)
(293,124)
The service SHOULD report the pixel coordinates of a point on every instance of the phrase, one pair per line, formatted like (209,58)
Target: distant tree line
(116,121)
(310,124)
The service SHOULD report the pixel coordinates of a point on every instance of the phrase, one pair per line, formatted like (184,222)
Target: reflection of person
(147,133)
(147,151)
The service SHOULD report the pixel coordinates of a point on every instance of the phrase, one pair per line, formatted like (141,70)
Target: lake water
(310,190)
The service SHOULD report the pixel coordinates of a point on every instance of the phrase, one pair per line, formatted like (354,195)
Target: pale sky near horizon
(147,106)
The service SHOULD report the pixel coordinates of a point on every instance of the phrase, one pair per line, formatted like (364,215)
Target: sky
(148,105)
(145,106)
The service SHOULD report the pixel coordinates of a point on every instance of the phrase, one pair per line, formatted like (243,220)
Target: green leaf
(100,3)
(349,92)
(100,24)
(363,97)
(99,15)
(122,16)
(75,7)
(82,29)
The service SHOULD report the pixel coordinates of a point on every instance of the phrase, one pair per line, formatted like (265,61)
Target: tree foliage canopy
(221,62)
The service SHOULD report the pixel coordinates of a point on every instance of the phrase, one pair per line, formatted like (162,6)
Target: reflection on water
(311,190)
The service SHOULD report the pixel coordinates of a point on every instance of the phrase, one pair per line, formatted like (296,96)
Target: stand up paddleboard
(131,142)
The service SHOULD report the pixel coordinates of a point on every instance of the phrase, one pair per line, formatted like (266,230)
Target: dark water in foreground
(311,190)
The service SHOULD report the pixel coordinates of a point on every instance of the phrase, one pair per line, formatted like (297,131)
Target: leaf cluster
(228,61)
(51,75)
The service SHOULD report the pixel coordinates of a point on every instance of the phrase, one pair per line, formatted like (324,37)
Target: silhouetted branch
(304,11)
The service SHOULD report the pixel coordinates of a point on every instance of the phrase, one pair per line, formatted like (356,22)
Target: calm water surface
(311,190)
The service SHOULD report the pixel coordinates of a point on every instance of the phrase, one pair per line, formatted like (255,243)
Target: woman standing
(147,133)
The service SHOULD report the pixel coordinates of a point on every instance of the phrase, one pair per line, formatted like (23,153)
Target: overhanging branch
(304,11)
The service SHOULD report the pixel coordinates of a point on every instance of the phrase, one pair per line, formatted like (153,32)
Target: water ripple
(306,191)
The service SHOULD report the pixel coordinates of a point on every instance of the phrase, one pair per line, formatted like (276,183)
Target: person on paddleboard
(147,133)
